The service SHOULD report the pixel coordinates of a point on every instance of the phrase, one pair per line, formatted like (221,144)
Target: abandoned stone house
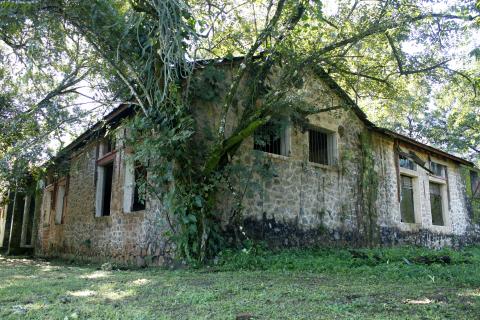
(320,193)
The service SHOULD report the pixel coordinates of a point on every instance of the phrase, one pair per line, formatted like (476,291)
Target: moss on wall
(368,188)
(473,202)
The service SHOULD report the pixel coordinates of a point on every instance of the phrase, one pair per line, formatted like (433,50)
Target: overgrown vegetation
(368,189)
(348,261)
(146,52)
(473,196)
(257,284)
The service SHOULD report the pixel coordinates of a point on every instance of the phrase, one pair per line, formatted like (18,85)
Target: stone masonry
(301,203)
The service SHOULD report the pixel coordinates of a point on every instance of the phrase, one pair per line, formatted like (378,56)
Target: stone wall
(312,204)
(305,203)
(457,229)
(134,237)
(300,203)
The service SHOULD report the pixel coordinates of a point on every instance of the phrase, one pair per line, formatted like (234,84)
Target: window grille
(321,147)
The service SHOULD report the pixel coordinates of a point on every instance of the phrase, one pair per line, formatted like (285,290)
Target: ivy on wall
(473,201)
(368,188)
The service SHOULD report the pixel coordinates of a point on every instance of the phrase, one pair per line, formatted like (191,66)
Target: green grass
(292,284)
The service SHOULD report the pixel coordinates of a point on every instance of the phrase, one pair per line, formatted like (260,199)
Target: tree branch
(398,58)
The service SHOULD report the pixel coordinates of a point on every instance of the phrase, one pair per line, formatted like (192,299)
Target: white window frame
(129,184)
(100,190)
(47,204)
(417,207)
(445,169)
(100,183)
(60,201)
(445,211)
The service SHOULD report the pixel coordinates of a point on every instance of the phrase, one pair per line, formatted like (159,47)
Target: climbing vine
(473,201)
(148,50)
(368,187)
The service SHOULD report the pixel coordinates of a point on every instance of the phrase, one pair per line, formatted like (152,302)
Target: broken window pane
(436,204)
(407,208)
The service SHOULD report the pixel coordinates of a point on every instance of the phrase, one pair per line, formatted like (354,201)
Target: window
(438,169)
(407,207)
(271,138)
(104,181)
(135,177)
(109,145)
(59,204)
(47,205)
(321,147)
(104,189)
(436,206)
(406,163)
(140,177)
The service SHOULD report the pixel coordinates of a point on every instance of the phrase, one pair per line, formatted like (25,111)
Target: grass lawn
(312,284)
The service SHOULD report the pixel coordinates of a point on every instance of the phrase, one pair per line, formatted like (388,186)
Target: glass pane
(438,169)
(436,204)
(404,162)
(406,204)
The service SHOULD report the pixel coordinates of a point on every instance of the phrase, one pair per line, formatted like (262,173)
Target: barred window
(271,138)
(321,146)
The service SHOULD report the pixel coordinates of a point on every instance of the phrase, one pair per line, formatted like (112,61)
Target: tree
(403,111)
(455,123)
(148,49)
